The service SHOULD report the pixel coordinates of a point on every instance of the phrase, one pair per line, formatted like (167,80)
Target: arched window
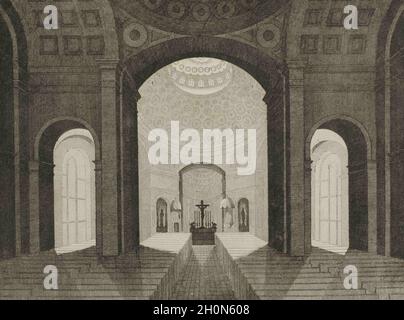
(76,198)
(74,191)
(329,191)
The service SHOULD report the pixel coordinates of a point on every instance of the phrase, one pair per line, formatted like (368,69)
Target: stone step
(94,294)
(263,294)
(300,280)
(74,286)
(297,286)
(275,268)
(323,297)
(83,281)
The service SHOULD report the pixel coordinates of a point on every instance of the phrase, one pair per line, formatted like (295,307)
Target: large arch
(42,236)
(133,72)
(262,67)
(362,230)
(389,117)
(13,125)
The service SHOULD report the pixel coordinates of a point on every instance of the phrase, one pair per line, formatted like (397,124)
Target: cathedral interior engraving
(202,150)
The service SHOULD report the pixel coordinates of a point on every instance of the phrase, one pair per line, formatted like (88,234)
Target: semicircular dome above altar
(201,17)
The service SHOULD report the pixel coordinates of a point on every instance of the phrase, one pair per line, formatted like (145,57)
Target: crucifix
(202,207)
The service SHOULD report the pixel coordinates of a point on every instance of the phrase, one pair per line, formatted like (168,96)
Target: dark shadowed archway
(389,119)
(42,181)
(359,157)
(13,148)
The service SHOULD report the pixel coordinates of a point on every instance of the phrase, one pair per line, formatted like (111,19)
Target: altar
(203,228)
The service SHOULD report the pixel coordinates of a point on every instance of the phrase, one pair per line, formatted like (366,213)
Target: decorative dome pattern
(201,76)
(239,105)
(188,17)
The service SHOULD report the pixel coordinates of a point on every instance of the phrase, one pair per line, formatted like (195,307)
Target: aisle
(203,278)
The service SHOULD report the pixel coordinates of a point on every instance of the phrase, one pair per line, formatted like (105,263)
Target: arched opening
(271,77)
(396,137)
(74,191)
(13,149)
(339,150)
(330,199)
(202,128)
(7,148)
(207,182)
(66,150)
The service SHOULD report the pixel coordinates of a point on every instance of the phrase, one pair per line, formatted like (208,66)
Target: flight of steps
(379,276)
(147,274)
(258,272)
(255,272)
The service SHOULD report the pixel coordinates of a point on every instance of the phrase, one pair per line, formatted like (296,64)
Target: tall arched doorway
(13,123)
(338,149)
(74,190)
(393,114)
(68,152)
(330,198)
(7,166)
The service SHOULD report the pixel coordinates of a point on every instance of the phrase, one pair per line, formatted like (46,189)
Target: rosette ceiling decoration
(201,76)
(201,16)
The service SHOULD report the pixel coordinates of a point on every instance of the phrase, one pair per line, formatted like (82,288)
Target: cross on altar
(202,207)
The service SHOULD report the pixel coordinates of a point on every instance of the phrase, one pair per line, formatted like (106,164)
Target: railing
(207,221)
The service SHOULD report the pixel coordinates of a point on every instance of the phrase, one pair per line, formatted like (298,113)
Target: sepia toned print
(201,150)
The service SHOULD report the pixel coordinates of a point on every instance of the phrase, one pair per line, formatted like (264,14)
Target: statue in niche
(229,225)
(161,221)
(243,216)
(161,217)
(176,219)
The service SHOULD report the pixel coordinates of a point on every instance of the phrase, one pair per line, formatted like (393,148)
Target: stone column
(308,178)
(278,220)
(345,206)
(109,158)
(296,158)
(98,205)
(129,165)
(372,206)
(34,207)
(17,166)
(21,208)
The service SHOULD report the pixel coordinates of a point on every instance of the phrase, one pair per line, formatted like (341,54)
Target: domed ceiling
(201,76)
(200,16)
